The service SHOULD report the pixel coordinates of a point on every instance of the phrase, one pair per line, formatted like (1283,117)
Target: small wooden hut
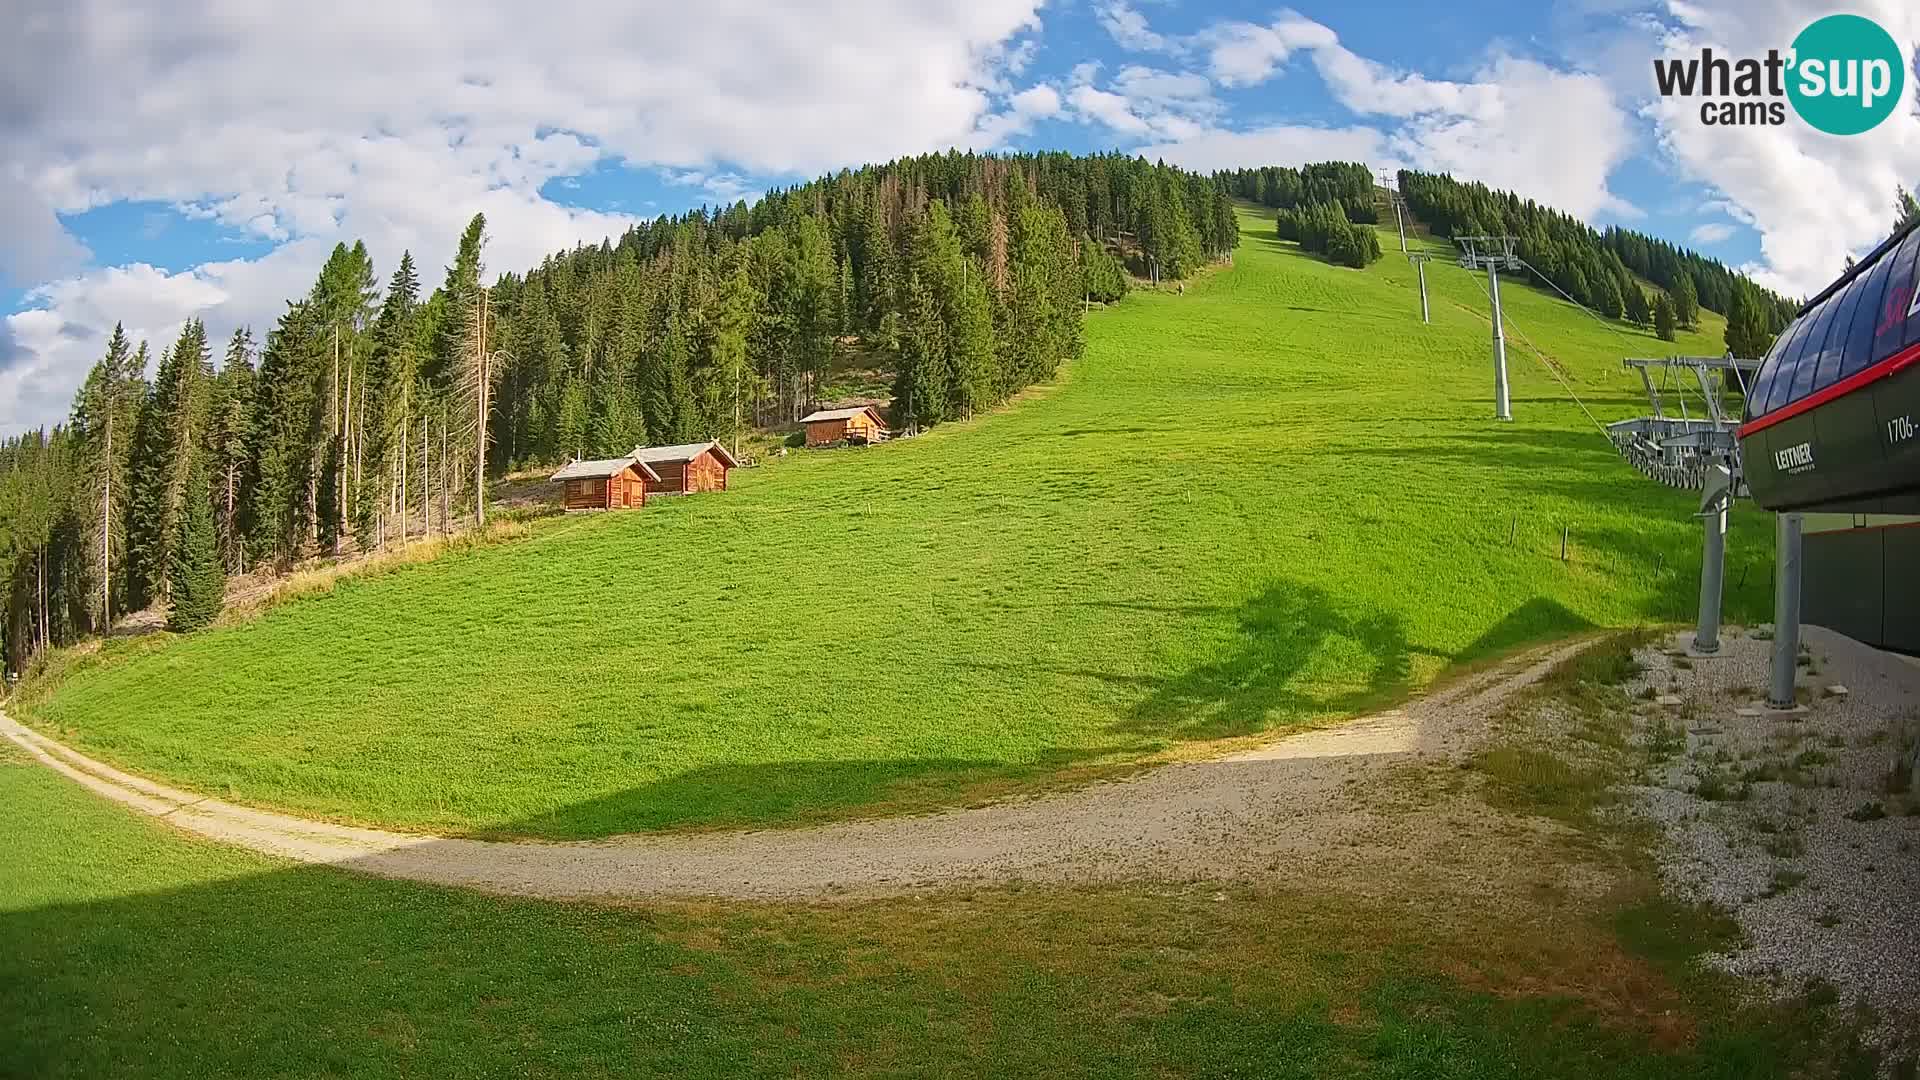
(607,484)
(859,424)
(686,468)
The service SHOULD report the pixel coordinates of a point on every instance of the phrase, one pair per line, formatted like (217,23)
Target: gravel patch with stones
(1803,826)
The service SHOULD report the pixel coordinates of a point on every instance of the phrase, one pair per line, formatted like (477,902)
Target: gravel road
(1302,806)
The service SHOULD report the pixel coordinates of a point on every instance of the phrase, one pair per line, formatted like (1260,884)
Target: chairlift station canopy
(1833,416)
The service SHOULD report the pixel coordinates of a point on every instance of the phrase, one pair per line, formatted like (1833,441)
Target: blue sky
(212,174)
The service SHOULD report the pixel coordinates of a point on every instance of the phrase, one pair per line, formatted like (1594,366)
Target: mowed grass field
(129,950)
(1274,500)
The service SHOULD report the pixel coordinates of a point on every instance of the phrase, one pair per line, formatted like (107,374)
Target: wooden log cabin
(686,468)
(607,484)
(859,424)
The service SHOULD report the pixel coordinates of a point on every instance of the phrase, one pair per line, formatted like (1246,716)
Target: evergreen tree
(920,385)
(1637,309)
(1664,321)
(230,447)
(1686,301)
(195,569)
(392,378)
(173,432)
(104,417)
(1906,209)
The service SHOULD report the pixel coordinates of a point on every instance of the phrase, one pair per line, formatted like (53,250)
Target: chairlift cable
(1542,358)
(1590,312)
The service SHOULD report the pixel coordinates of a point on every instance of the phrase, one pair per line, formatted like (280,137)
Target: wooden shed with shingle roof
(686,467)
(606,484)
(859,424)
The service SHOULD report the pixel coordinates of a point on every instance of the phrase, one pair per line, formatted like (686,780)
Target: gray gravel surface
(1800,825)
(1302,808)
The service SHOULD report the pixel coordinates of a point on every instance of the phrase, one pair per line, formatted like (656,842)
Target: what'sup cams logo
(1843,75)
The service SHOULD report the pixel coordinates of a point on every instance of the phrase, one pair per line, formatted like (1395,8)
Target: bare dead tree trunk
(341,490)
(480,440)
(446,501)
(233,534)
(106,528)
(41,565)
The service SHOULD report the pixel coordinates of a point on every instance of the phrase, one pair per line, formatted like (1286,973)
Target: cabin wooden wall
(605,493)
(671,476)
(826,432)
(706,473)
(588,494)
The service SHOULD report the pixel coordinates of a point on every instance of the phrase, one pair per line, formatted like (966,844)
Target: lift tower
(1493,254)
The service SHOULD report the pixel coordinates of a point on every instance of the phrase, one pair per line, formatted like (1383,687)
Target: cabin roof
(843,414)
(590,470)
(684,452)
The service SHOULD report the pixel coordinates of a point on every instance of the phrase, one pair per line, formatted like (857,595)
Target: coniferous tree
(230,447)
(173,432)
(104,417)
(1637,309)
(1906,209)
(195,570)
(1686,301)
(1664,321)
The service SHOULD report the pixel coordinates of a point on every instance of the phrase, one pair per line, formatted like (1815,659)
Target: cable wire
(1544,362)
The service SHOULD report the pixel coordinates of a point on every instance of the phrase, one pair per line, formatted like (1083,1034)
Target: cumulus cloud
(1037,101)
(1129,29)
(1146,103)
(1713,232)
(1555,135)
(397,122)
(1277,145)
(1813,198)
(1245,54)
(36,247)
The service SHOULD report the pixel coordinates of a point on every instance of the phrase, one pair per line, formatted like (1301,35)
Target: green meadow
(129,950)
(1275,500)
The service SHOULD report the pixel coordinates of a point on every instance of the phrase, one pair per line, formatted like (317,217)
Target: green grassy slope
(1273,499)
(129,950)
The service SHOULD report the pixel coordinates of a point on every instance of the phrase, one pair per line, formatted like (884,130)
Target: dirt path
(1303,806)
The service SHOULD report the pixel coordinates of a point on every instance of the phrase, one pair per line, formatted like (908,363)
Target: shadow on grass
(1281,631)
(794,793)
(1284,631)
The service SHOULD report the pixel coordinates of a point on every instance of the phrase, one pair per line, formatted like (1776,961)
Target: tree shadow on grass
(1283,631)
(1280,633)
(800,792)
(1284,634)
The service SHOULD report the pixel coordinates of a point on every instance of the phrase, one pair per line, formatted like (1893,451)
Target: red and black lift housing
(1832,430)
(1833,416)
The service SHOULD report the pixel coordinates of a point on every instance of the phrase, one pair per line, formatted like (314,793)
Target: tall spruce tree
(1686,301)
(1664,320)
(173,434)
(195,568)
(230,447)
(105,413)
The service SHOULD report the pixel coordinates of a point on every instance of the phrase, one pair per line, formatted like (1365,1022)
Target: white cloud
(1713,232)
(1244,54)
(1813,198)
(1109,109)
(1279,145)
(1038,101)
(36,246)
(1553,135)
(723,187)
(1129,29)
(397,122)
(1146,103)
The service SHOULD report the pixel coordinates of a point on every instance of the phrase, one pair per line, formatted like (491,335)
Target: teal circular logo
(1847,74)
